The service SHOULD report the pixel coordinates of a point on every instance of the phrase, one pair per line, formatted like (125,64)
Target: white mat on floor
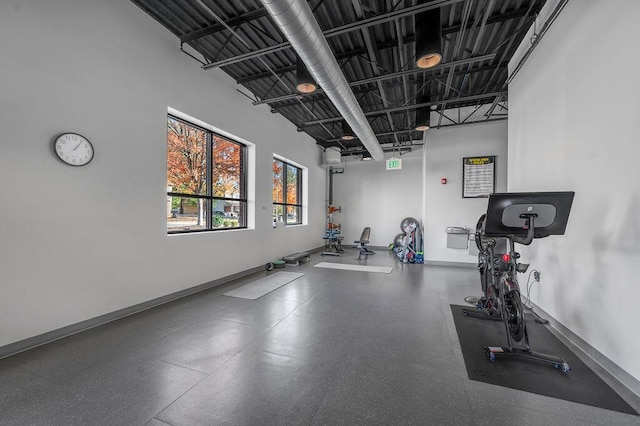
(348,267)
(258,288)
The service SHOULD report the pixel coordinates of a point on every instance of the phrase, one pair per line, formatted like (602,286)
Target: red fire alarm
(443,181)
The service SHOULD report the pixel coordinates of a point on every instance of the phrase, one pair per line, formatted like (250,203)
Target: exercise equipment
(407,222)
(296,258)
(408,244)
(291,259)
(397,240)
(332,237)
(363,242)
(517,218)
(276,264)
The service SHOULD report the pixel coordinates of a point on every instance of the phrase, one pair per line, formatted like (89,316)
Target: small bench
(295,258)
(363,242)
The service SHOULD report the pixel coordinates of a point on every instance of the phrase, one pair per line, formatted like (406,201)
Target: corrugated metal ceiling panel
(470,29)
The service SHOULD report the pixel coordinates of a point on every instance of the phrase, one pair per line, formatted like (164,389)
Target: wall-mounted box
(457,237)
(473,247)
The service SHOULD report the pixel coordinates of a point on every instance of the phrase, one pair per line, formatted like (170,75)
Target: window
(206,180)
(287,193)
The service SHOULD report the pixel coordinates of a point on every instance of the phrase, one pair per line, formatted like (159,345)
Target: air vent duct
(299,26)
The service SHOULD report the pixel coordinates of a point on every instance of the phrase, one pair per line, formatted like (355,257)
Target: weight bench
(333,245)
(363,241)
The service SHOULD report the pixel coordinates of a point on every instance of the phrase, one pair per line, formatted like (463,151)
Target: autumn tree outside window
(206,180)
(287,192)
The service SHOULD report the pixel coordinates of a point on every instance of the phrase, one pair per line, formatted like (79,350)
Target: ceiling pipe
(401,150)
(299,26)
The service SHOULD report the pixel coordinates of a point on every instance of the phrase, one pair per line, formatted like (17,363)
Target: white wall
(372,196)
(369,195)
(573,115)
(76,243)
(444,205)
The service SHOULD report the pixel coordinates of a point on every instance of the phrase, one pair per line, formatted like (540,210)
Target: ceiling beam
(372,49)
(388,76)
(334,142)
(277,105)
(232,22)
(414,106)
(392,148)
(496,18)
(261,13)
(353,26)
(236,20)
(246,44)
(391,44)
(292,68)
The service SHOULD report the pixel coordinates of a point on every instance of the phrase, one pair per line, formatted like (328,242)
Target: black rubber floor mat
(580,385)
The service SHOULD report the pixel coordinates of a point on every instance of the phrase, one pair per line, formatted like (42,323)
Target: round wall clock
(73,149)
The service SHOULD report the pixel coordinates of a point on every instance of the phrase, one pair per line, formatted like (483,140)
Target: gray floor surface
(333,347)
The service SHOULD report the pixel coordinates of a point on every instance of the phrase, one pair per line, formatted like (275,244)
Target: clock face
(73,149)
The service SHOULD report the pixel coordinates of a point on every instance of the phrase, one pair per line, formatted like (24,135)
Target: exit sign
(394,164)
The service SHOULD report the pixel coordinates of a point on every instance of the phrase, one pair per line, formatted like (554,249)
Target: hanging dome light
(428,38)
(347,133)
(304,82)
(423,115)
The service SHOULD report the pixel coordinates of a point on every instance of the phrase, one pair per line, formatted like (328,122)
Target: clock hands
(73,149)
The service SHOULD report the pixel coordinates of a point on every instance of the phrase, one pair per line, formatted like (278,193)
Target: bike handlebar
(530,218)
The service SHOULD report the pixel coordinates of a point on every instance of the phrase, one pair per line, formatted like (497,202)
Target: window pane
(186,158)
(293,214)
(227,214)
(292,184)
(278,181)
(199,162)
(226,168)
(278,213)
(186,214)
(238,211)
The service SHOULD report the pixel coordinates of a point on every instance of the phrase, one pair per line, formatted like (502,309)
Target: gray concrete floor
(330,348)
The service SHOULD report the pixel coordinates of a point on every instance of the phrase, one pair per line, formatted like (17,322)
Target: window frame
(208,197)
(299,189)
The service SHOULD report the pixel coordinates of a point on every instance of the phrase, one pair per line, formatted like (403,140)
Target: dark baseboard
(50,336)
(575,342)
(447,263)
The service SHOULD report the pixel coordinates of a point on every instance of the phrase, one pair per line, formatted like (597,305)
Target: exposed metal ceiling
(373,41)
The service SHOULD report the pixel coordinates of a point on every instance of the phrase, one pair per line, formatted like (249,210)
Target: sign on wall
(394,163)
(478,176)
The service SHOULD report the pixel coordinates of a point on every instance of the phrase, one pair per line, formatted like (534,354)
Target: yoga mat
(580,385)
(348,267)
(258,288)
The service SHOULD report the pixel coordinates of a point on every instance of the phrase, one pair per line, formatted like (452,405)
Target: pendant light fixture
(347,133)
(304,82)
(423,115)
(428,38)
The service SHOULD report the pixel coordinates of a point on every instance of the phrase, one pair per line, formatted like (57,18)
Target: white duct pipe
(297,23)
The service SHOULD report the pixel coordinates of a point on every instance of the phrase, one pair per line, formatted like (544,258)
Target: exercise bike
(516,218)
(490,264)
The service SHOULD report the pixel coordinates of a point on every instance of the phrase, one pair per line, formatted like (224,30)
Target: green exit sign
(394,164)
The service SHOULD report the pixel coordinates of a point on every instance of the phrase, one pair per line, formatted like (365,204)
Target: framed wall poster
(478,176)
